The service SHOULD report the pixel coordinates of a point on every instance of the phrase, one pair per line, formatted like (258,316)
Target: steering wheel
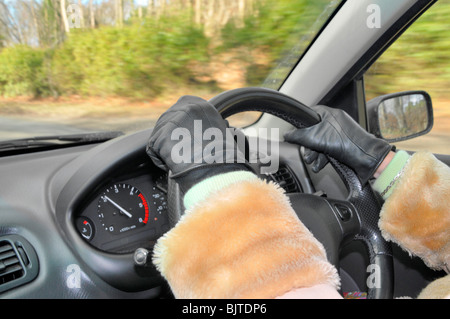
(333,222)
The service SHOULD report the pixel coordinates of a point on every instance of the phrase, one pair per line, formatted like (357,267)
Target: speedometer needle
(118,207)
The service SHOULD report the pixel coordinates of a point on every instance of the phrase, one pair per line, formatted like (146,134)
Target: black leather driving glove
(190,140)
(340,137)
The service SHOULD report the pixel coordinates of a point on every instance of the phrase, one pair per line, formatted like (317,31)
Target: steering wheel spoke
(332,222)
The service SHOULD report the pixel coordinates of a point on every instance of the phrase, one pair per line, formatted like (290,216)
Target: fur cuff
(417,214)
(438,289)
(242,242)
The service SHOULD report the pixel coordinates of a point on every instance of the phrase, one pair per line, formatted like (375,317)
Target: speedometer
(125,214)
(122,208)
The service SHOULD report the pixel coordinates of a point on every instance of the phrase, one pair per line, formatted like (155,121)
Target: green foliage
(282,29)
(418,60)
(22,71)
(136,60)
(147,56)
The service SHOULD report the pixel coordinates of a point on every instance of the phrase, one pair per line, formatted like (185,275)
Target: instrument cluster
(125,214)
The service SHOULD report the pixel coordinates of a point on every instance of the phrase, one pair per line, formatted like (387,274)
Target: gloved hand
(340,137)
(193,160)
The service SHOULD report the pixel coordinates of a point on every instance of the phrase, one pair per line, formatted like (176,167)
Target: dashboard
(84,210)
(90,207)
(51,220)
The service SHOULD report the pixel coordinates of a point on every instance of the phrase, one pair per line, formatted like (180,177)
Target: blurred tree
(64,15)
(119,12)
(10,23)
(91,14)
(81,13)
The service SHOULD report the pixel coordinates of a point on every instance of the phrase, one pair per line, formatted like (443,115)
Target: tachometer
(122,208)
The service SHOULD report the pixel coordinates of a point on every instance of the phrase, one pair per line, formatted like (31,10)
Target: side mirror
(400,116)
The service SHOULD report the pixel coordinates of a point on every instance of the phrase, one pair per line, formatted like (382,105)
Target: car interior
(58,238)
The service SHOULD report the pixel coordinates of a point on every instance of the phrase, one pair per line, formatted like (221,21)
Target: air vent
(285,178)
(10,266)
(18,262)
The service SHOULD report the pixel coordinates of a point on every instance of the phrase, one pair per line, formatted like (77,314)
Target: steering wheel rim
(361,197)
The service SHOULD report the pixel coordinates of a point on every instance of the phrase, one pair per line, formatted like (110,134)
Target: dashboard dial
(85,227)
(122,208)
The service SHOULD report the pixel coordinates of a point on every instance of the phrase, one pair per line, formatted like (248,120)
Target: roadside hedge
(145,57)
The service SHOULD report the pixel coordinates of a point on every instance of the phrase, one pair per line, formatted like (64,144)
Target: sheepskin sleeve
(416,215)
(244,241)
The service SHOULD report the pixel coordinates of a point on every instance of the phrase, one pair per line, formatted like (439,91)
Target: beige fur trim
(438,289)
(243,242)
(417,214)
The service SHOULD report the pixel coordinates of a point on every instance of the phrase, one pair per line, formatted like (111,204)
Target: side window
(419,60)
